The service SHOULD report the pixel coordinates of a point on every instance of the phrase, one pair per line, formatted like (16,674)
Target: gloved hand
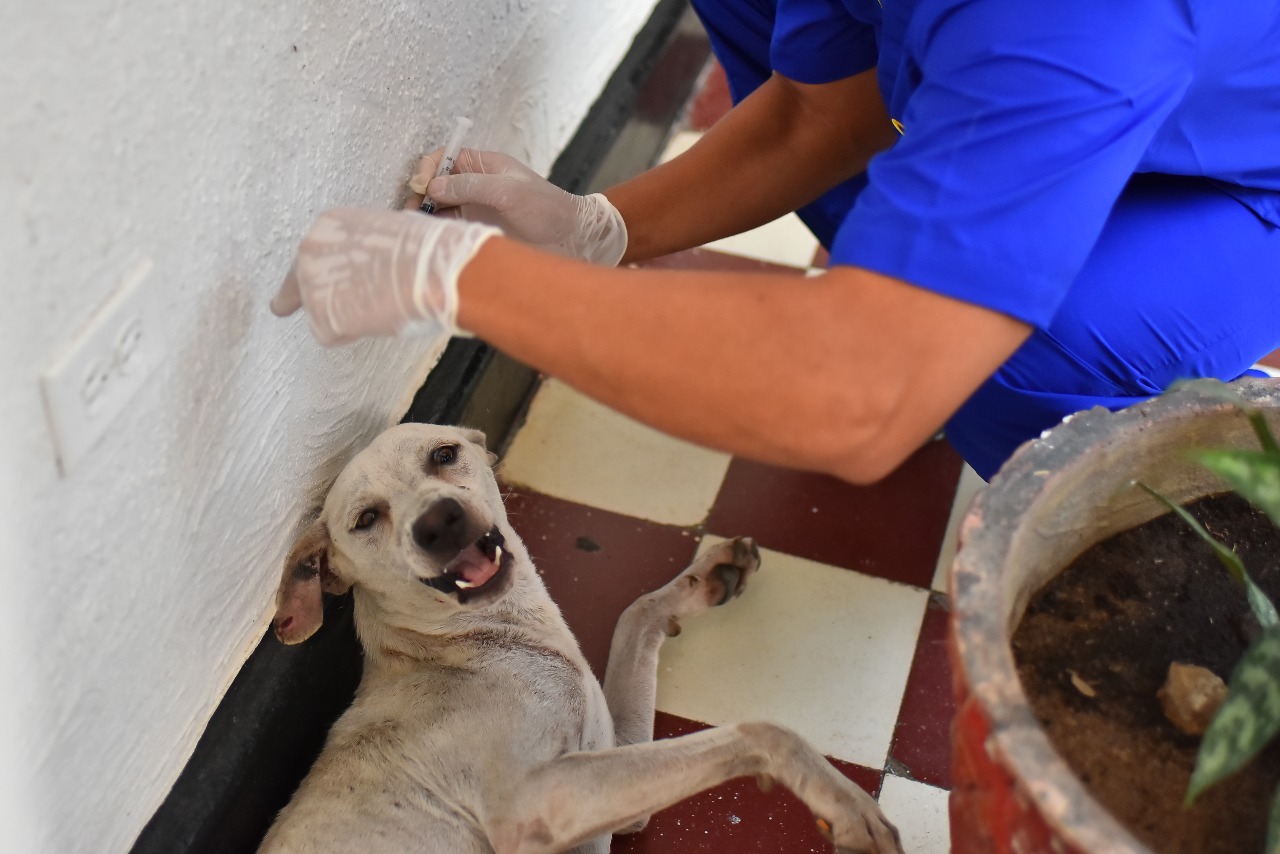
(368,272)
(526,206)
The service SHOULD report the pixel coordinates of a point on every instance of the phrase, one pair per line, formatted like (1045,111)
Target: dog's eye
(366,520)
(445,455)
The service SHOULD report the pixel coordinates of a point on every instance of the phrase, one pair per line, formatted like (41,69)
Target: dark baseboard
(272,722)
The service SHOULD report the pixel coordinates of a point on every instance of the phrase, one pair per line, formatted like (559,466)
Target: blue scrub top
(1021,125)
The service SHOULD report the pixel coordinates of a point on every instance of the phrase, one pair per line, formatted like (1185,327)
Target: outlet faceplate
(101,369)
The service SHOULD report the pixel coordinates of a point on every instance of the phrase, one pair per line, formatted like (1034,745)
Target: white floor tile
(573,448)
(920,814)
(785,241)
(968,487)
(822,650)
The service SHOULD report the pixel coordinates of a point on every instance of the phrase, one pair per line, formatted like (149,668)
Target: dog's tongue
(473,567)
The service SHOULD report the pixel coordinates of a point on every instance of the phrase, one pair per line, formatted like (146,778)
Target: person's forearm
(846,373)
(782,147)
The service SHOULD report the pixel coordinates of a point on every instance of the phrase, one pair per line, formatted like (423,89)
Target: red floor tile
(736,817)
(892,529)
(1273,360)
(922,739)
(712,101)
(596,563)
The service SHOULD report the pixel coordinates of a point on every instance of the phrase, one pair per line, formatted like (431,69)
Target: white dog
(478,726)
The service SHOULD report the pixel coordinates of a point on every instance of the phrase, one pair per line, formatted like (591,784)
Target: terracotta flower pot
(1056,497)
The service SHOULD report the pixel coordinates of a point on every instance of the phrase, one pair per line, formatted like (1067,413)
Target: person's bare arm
(782,147)
(846,373)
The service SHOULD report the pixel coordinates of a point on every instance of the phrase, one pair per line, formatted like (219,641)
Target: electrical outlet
(88,385)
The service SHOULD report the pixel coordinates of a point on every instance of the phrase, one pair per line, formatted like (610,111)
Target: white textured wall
(205,137)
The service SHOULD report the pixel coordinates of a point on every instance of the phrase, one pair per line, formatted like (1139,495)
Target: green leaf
(1265,436)
(1220,391)
(1248,719)
(1273,825)
(1261,606)
(1253,474)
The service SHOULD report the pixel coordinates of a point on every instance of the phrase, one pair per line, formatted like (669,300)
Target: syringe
(450,155)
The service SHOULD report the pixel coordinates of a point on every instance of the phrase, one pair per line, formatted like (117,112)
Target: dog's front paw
(718,575)
(733,562)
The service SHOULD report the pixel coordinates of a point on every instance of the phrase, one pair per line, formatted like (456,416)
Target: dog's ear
(477,437)
(306,575)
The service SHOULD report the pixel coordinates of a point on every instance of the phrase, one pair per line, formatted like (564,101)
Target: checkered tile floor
(840,635)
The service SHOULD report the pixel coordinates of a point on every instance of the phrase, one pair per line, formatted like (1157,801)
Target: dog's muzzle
(480,566)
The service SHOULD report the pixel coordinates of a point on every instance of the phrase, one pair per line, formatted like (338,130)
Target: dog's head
(416,519)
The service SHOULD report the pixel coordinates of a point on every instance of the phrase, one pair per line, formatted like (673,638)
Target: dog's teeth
(464,584)
(497,554)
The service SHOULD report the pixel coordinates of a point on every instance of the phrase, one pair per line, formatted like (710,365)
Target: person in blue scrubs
(1029,212)
(1115,183)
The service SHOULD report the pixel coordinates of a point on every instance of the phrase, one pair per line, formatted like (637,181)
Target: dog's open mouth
(478,567)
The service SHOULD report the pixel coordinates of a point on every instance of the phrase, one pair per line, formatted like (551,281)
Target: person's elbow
(868,463)
(864,439)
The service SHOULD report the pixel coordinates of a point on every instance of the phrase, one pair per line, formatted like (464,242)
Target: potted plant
(1076,486)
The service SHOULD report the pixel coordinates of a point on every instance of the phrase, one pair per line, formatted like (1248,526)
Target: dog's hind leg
(631,679)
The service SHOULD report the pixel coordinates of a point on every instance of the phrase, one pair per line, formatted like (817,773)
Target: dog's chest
(511,700)
(552,702)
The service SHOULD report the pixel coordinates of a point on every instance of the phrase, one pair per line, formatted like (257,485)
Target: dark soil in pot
(1109,625)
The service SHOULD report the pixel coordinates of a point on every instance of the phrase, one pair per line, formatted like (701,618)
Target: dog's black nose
(442,529)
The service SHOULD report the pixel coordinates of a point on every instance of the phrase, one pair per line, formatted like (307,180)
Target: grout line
(967,486)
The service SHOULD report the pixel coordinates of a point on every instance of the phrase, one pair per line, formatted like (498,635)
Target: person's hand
(526,206)
(367,272)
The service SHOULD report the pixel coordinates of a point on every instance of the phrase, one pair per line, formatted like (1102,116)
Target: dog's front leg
(584,795)
(717,576)
(630,683)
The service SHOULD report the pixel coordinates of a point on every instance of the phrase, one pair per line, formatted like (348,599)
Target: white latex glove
(369,272)
(526,206)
